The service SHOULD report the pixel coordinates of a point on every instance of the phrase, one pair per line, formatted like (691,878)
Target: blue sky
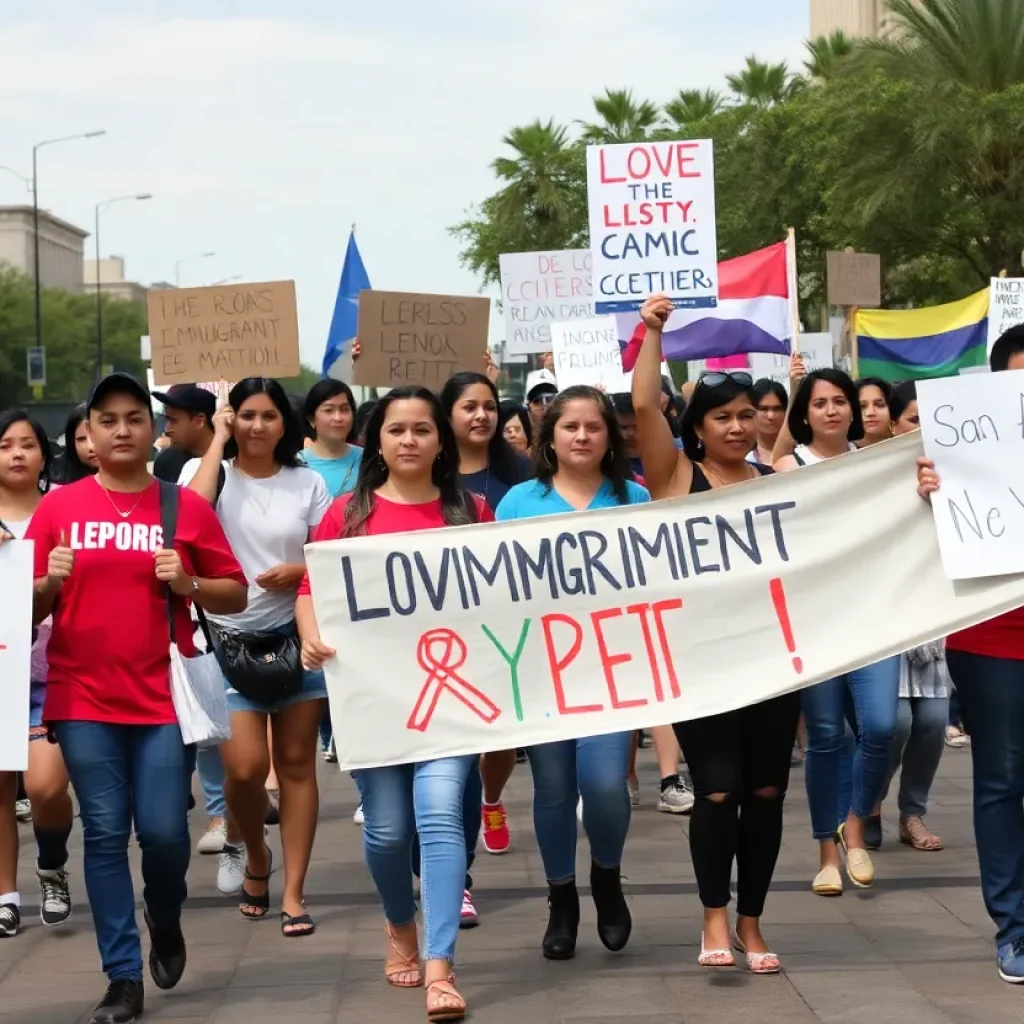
(264,129)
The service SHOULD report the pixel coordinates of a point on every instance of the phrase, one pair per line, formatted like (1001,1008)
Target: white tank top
(805,457)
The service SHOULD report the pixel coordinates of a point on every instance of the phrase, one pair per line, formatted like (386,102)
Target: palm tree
(622,118)
(692,105)
(764,85)
(976,43)
(825,52)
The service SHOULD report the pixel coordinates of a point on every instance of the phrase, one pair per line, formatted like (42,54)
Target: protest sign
(587,352)
(15,652)
(1005,306)
(494,636)
(229,332)
(853,279)
(973,430)
(419,339)
(815,348)
(538,288)
(652,224)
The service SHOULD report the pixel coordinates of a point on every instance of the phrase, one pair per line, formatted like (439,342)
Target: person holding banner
(739,761)
(409,481)
(580,464)
(986,663)
(102,572)
(269,506)
(489,467)
(25,466)
(824,421)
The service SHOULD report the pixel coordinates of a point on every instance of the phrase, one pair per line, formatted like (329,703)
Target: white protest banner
(494,636)
(538,288)
(15,652)
(1005,306)
(652,224)
(815,348)
(973,431)
(587,352)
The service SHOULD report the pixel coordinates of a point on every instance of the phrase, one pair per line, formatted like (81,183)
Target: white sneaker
(231,869)
(214,838)
(468,917)
(676,798)
(358,818)
(23,810)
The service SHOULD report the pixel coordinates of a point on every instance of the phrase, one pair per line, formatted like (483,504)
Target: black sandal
(301,925)
(259,904)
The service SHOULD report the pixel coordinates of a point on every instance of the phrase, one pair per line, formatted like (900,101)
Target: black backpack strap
(170,503)
(221,479)
(799,461)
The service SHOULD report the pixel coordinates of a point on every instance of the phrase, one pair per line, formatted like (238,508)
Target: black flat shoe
(167,954)
(873,832)
(614,922)
(122,1004)
(563,922)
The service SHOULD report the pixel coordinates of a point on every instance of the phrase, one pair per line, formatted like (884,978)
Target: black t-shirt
(169,464)
(701,483)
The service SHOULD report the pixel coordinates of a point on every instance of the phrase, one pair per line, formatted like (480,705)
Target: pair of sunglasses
(715,378)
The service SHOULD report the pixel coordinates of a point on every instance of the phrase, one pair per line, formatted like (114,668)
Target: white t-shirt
(805,457)
(267,522)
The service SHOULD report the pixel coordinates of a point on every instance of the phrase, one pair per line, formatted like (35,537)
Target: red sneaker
(495,830)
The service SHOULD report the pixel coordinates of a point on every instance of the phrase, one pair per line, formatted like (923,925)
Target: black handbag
(262,667)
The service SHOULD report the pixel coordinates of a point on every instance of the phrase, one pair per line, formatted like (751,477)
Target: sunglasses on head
(714,378)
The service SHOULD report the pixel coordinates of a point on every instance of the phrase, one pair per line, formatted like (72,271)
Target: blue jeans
(425,798)
(920,738)
(594,768)
(211,777)
(874,691)
(472,801)
(991,694)
(125,774)
(326,730)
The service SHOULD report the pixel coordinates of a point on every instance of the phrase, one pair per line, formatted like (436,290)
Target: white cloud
(265,137)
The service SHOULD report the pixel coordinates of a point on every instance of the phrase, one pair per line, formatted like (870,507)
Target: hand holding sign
(60,562)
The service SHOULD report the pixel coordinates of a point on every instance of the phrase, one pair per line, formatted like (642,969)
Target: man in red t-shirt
(102,571)
(986,663)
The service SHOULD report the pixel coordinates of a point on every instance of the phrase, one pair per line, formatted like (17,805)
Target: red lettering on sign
(559,664)
(609,661)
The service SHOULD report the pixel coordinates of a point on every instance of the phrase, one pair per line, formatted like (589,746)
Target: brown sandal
(402,965)
(914,832)
(443,1002)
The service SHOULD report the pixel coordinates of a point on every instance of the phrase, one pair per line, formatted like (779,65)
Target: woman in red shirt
(408,480)
(986,663)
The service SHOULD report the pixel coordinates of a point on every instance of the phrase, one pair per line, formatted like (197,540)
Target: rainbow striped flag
(913,344)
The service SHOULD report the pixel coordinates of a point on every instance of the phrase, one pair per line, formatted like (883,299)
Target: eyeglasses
(715,378)
(544,398)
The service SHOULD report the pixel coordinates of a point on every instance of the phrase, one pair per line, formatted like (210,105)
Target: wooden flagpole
(793,287)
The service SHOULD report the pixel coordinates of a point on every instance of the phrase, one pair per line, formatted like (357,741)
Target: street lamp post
(35,220)
(185,259)
(100,207)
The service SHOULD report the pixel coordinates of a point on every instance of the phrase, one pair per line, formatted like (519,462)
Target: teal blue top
(533,498)
(340,474)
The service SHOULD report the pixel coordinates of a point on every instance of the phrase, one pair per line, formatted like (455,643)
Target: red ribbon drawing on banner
(441,653)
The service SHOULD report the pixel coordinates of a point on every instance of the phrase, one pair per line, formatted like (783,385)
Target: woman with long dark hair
(79,459)
(825,421)
(580,463)
(771,401)
(269,506)
(25,466)
(874,394)
(488,466)
(409,480)
(330,412)
(739,761)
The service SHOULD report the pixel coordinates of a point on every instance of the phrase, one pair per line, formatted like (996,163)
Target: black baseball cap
(118,384)
(188,398)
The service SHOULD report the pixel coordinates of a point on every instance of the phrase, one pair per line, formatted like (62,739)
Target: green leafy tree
(623,119)
(764,85)
(692,106)
(825,53)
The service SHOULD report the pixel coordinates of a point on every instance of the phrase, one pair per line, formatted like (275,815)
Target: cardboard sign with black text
(225,332)
(419,339)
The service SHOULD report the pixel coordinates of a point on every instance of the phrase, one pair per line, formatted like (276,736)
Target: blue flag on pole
(354,279)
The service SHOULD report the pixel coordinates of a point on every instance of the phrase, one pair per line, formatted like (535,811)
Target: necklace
(722,482)
(123,515)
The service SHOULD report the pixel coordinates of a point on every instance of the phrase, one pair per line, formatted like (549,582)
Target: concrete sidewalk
(916,948)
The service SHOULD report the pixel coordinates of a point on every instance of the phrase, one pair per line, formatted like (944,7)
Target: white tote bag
(198,689)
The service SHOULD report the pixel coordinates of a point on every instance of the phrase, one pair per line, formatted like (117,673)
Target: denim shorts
(313,687)
(37,695)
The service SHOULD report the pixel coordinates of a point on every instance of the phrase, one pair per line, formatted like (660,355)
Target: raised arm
(663,462)
(204,483)
(784,443)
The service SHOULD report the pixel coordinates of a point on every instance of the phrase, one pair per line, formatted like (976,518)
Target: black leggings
(733,757)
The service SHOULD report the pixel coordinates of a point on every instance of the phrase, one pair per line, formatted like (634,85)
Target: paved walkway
(917,948)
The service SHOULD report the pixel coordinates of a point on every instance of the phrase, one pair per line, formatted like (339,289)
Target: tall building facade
(868,19)
(61,247)
(112,280)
